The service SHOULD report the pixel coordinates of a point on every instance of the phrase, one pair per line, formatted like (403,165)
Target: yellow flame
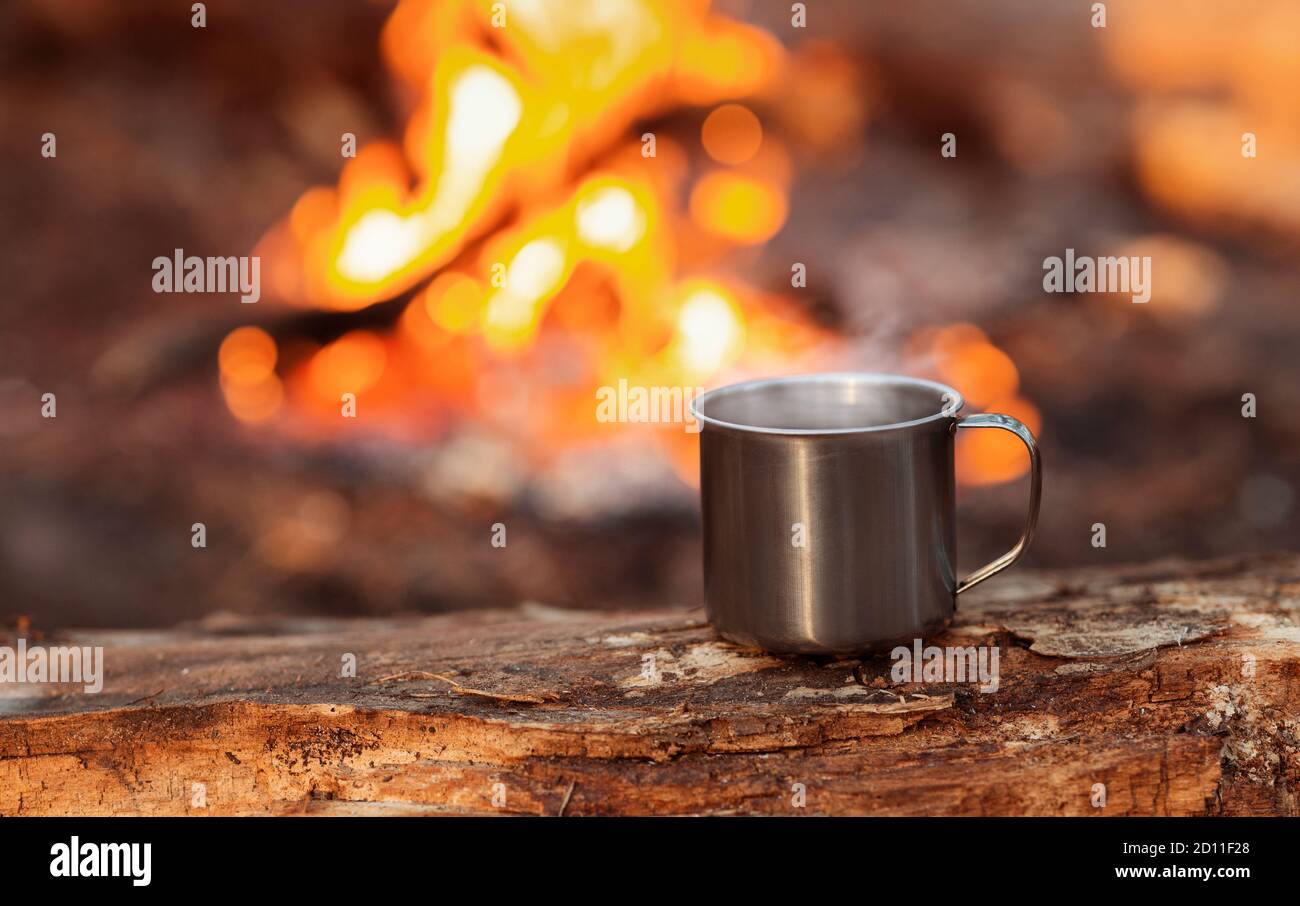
(533,275)
(483,108)
(525,121)
(742,208)
(710,331)
(511,96)
(611,219)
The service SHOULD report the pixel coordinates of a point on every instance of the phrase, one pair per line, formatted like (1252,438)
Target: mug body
(828,505)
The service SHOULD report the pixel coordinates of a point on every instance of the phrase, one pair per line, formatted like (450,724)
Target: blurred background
(676,194)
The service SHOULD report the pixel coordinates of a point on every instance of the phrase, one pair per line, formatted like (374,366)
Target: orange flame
(962,356)
(542,239)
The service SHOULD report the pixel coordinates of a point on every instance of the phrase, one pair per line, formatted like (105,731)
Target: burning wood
(543,240)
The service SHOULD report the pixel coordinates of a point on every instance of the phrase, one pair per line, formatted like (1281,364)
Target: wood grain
(1176,685)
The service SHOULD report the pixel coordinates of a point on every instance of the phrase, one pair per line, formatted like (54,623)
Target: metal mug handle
(1007,423)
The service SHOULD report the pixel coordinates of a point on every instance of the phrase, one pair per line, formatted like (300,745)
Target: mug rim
(828,377)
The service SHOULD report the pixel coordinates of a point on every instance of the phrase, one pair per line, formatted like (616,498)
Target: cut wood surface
(1174,685)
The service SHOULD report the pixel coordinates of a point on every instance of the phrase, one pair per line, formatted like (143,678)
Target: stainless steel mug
(829,510)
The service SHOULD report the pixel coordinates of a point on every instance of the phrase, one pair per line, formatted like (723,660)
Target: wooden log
(1174,685)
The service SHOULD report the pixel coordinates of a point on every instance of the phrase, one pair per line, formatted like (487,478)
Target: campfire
(473,232)
(578,190)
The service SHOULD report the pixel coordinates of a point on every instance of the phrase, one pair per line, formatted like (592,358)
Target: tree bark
(1165,689)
